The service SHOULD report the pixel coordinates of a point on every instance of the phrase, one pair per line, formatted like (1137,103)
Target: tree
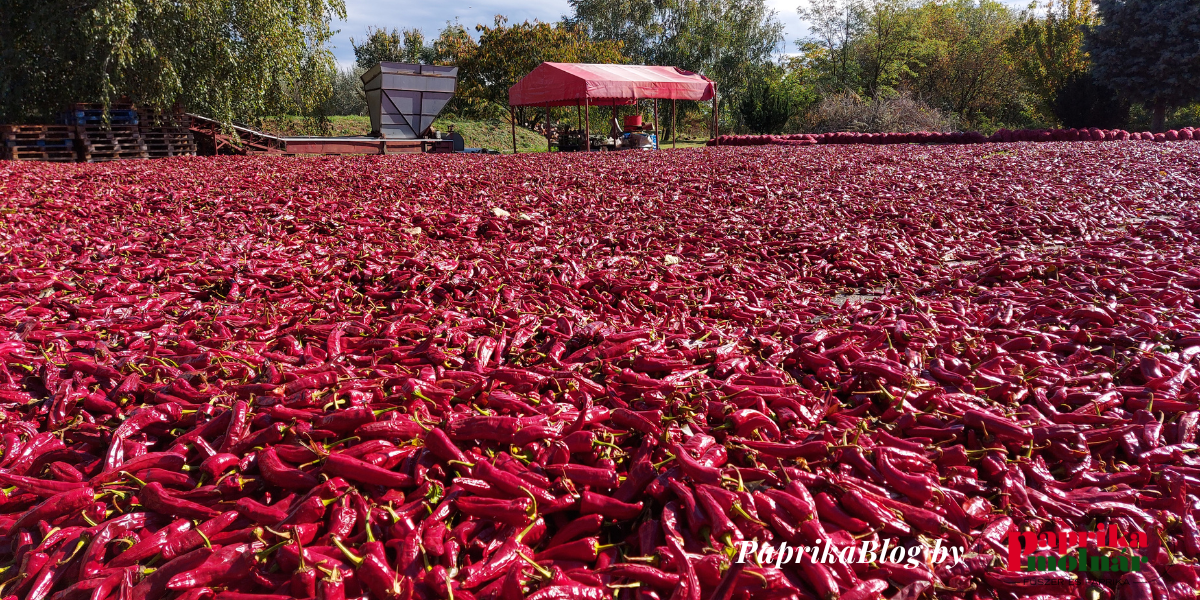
(506,53)
(888,45)
(835,25)
(961,66)
(453,45)
(729,41)
(223,58)
(406,46)
(1048,51)
(347,97)
(1148,51)
(1083,102)
(772,100)
(941,54)
(862,46)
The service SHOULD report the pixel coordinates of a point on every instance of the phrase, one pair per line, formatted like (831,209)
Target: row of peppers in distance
(956,137)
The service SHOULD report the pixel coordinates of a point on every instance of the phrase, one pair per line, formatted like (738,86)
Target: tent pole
(587,127)
(716,122)
(656,128)
(547,127)
(673,132)
(513,113)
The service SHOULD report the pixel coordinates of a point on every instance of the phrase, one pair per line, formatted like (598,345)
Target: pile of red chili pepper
(590,376)
(956,137)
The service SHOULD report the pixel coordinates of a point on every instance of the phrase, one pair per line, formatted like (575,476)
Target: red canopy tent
(575,84)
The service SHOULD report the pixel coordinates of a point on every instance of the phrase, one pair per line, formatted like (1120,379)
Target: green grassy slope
(494,135)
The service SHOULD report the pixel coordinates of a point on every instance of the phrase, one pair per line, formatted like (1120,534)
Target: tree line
(867,65)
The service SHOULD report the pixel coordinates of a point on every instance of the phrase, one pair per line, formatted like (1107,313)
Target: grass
(494,135)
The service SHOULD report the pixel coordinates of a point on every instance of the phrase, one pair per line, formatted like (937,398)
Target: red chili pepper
(629,419)
(374,572)
(497,429)
(584,475)
(212,428)
(60,504)
(98,586)
(156,498)
(136,422)
(513,512)
(353,469)
(592,503)
(91,561)
(828,509)
(39,487)
(509,483)
(584,525)
(400,427)
(820,578)
(61,560)
(916,487)
(876,515)
(216,465)
(277,473)
(655,578)
(237,426)
(997,426)
(694,470)
(151,544)
(583,550)
(155,584)
(271,434)
(722,526)
(227,564)
(569,592)
(187,541)
(331,587)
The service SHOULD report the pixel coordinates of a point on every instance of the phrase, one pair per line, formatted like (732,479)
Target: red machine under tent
(585,85)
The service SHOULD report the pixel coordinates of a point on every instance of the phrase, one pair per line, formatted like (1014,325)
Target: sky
(431,15)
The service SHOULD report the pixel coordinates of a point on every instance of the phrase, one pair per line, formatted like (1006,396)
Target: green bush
(769,104)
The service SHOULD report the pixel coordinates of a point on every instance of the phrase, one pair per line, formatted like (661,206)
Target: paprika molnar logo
(1025,550)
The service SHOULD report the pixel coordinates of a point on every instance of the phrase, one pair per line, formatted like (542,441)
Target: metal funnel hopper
(404,99)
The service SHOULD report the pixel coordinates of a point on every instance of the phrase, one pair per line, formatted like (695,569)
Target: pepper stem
(135,479)
(737,508)
(350,556)
(540,569)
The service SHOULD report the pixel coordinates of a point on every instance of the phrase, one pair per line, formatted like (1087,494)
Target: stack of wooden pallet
(37,142)
(99,139)
(166,133)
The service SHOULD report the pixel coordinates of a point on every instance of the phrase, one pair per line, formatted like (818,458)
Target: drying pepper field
(566,376)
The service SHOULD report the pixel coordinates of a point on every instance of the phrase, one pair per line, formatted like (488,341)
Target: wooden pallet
(100,106)
(54,143)
(42,153)
(87,113)
(163,142)
(149,117)
(98,143)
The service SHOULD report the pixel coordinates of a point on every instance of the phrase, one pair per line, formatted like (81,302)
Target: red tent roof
(568,84)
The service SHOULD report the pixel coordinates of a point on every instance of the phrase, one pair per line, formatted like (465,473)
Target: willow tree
(223,58)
